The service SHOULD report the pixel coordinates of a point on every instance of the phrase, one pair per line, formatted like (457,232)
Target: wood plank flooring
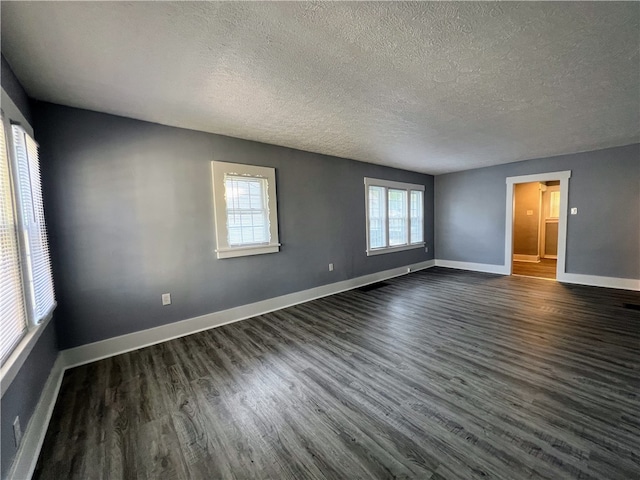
(440,374)
(546,268)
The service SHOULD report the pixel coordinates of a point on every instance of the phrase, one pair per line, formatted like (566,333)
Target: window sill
(232,252)
(14,363)
(399,248)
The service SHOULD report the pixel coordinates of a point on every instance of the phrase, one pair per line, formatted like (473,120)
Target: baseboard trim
(24,463)
(134,341)
(526,258)
(598,281)
(474,267)
(574,278)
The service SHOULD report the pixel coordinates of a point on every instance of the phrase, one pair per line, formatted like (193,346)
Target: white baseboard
(475,267)
(598,281)
(579,279)
(526,258)
(26,458)
(134,341)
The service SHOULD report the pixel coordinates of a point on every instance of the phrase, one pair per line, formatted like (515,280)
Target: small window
(395,216)
(245,209)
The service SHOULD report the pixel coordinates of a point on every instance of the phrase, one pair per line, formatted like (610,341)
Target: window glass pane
(398,222)
(13,315)
(377,223)
(247,210)
(417,222)
(554,205)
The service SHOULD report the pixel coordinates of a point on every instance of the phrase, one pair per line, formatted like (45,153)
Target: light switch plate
(574,211)
(166,299)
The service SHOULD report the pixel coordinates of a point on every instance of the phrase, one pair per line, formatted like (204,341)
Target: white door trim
(562,221)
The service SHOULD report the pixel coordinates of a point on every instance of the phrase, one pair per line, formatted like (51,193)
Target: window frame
(392,185)
(223,249)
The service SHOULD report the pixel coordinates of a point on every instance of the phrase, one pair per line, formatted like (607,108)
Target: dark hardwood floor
(440,374)
(546,268)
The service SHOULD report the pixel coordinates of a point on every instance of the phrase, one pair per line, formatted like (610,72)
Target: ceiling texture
(430,87)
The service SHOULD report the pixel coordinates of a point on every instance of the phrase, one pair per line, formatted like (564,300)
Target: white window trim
(23,349)
(223,249)
(376,182)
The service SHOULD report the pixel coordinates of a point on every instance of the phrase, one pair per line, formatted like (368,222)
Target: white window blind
(13,316)
(377,217)
(31,208)
(247,210)
(417,216)
(395,216)
(398,217)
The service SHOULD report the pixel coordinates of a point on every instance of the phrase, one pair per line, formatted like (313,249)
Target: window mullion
(386,216)
(407,237)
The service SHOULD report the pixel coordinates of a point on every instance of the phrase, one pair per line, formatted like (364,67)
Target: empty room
(320,240)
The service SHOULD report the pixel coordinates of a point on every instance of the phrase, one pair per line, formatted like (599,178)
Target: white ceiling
(432,87)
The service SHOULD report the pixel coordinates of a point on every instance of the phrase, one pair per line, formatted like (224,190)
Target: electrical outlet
(331,267)
(574,211)
(166,299)
(17,431)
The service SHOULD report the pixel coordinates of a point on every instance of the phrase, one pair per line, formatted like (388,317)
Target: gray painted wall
(130,216)
(14,89)
(603,239)
(22,396)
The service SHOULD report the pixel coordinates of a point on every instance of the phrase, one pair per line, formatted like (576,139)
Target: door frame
(563,176)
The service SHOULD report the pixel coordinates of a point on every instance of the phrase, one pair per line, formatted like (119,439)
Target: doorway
(535,229)
(536,225)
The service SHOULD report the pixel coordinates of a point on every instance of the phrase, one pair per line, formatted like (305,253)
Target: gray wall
(130,216)
(14,89)
(23,394)
(603,239)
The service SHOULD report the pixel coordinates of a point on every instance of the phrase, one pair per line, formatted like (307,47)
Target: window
(245,207)
(12,309)
(395,216)
(26,285)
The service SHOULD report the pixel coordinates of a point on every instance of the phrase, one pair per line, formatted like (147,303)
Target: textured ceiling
(431,87)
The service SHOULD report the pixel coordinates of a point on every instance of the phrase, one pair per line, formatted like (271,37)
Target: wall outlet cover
(166,299)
